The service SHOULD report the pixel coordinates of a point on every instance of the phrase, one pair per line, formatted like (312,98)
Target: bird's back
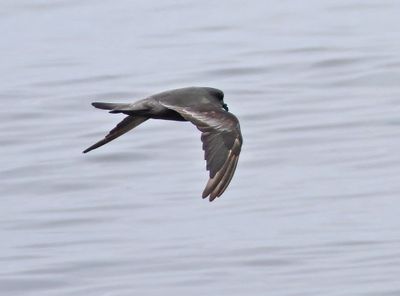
(190,96)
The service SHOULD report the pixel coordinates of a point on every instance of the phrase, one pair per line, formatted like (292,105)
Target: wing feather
(222,142)
(124,126)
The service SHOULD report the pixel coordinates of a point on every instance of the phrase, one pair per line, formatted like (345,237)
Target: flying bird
(202,106)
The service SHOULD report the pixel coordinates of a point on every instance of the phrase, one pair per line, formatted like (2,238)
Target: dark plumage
(202,106)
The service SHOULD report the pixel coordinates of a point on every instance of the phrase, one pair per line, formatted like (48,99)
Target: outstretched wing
(222,142)
(124,126)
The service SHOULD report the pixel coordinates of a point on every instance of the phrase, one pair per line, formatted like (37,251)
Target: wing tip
(90,148)
(207,194)
(217,185)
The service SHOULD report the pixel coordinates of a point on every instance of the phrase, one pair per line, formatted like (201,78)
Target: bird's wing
(222,142)
(124,126)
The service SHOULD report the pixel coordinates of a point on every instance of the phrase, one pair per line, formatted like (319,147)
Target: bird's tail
(124,126)
(110,106)
(129,109)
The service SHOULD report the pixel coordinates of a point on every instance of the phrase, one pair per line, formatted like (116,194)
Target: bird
(202,106)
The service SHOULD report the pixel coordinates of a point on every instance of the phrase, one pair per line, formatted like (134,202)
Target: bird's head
(219,95)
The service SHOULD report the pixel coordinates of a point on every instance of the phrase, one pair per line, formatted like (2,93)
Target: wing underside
(222,141)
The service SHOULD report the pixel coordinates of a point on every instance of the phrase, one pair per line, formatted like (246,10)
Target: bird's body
(205,108)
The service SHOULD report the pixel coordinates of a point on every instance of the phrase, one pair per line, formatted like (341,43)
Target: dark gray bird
(202,106)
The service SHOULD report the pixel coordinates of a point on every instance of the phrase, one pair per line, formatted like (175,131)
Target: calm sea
(314,206)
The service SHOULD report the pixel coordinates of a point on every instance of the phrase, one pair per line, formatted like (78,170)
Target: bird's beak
(225,106)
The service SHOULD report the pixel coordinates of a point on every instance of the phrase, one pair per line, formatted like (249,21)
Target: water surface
(314,206)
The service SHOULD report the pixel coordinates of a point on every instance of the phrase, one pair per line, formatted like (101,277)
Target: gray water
(313,208)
